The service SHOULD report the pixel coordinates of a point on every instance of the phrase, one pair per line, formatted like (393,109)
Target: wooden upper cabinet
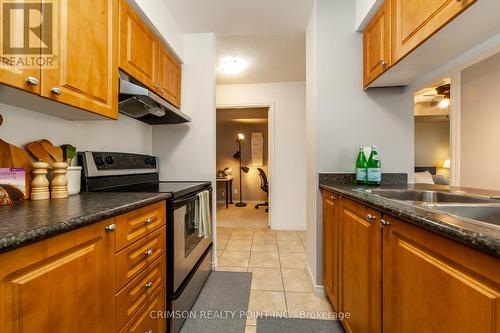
(86,75)
(62,284)
(138,47)
(413,22)
(377,45)
(169,77)
(361,273)
(331,229)
(16,76)
(433,284)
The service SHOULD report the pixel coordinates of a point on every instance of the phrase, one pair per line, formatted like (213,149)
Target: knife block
(59,180)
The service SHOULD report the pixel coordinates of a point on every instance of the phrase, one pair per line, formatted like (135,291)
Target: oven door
(188,247)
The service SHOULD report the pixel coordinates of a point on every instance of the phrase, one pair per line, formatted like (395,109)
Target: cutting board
(36,149)
(15,157)
(55,152)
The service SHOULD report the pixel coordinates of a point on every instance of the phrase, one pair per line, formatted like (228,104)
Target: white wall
(345,115)
(23,126)
(187,151)
(288,165)
(312,177)
(163,20)
(479,130)
(432,143)
(365,10)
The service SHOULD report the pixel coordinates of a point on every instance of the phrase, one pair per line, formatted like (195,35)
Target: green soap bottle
(374,168)
(361,165)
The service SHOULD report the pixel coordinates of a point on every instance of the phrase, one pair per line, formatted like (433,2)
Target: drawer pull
(56,91)
(150,331)
(110,228)
(148,221)
(148,285)
(148,253)
(384,223)
(32,81)
(370,218)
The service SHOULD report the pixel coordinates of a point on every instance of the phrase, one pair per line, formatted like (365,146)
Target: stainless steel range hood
(144,105)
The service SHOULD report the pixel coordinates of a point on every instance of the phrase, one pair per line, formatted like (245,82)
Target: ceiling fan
(439,95)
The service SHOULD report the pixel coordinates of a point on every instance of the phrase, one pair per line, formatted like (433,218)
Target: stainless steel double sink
(472,207)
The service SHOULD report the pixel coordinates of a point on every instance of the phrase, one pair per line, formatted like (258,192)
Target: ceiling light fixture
(232,65)
(444,103)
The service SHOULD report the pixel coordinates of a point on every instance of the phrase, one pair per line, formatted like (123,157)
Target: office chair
(264,185)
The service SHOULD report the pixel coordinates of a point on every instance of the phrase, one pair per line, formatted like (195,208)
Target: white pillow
(423,178)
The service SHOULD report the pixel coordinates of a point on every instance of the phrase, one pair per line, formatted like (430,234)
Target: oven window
(191,228)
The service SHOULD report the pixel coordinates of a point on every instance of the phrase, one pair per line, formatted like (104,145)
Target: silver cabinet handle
(148,253)
(332,197)
(370,218)
(56,91)
(148,285)
(384,223)
(148,221)
(110,228)
(383,63)
(149,331)
(32,81)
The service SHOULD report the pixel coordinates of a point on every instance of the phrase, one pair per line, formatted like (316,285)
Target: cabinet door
(62,284)
(169,77)
(138,48)
(377,45)
(151,317)
(433,284)
(11,72)
(361,247)
(86,75)
(331,247)
(413,22)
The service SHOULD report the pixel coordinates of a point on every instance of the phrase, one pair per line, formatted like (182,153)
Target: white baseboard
(319,290)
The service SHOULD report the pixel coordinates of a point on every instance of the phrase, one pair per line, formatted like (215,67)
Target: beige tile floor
(276,260)
(238,217)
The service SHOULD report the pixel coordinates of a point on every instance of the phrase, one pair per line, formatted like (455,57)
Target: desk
(229,189)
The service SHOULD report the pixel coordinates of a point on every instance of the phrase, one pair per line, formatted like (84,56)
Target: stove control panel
(112,163)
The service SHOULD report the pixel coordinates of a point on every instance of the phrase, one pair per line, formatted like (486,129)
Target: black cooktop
(177,189)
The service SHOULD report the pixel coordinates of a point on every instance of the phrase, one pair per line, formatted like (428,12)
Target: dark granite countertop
(477,235)
(30,221)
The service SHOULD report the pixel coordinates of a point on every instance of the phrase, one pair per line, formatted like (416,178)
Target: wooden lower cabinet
(396,277)
(361,258)
(61,284)
(433,284)
(331,229)
(79,282)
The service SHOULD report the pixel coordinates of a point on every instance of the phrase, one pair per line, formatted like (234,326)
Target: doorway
(243,173)
(432,107)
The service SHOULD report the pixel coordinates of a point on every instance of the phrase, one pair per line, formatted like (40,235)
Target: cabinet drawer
(136,224)
(132,260)
(139,290)
(143,321)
